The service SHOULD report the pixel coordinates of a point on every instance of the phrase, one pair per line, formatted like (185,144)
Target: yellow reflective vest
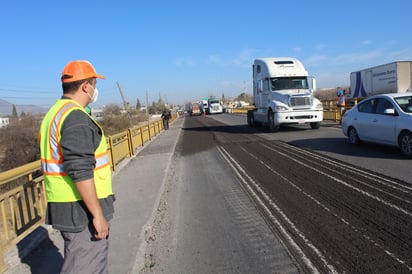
(59,186)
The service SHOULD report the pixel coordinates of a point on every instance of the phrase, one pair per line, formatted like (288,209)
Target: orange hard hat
(79,70)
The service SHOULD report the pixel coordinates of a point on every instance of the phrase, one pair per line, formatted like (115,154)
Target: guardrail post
(3,266)
(141,135)
(130,141)
(157,129)
(148,129)
(110,141)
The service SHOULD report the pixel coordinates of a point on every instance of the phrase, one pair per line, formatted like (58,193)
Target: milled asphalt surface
(138,185)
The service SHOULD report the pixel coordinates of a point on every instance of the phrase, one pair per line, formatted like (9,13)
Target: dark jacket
(166,115)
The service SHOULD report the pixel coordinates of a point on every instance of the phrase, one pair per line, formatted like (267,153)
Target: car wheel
(353,136)
(315,125)
(271,121)
(405,144)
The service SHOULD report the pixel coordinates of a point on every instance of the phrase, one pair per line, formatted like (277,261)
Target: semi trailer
(395,77)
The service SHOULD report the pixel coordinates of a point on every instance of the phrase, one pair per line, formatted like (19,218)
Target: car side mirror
(389,111)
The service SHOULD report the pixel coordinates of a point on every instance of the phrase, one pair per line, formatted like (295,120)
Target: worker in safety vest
(341,102)
(77,173)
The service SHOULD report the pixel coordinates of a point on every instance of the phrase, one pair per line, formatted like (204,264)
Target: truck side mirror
(259,86)
(312,83)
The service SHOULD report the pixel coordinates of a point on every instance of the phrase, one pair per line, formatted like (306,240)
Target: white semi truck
(395,77)
(215,107)
(283,94)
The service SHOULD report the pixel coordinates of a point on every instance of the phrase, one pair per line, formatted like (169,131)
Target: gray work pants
(84,254)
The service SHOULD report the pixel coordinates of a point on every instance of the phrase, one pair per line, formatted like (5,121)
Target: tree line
(19,139)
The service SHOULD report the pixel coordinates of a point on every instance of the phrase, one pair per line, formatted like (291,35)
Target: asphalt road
(330,141)
(216,196)
(206,223)
(332,213)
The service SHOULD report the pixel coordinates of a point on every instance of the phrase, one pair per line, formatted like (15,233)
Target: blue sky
(186,50)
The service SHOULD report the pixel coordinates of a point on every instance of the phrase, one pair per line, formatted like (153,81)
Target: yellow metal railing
(119,147)
(136,138)
(22,208)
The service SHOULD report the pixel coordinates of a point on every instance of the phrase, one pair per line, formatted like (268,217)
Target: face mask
(95,94)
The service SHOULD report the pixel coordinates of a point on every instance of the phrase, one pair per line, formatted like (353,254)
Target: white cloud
(316,60)
(245,57)
(401,55)
(214,59)
(334,71)
(366,42)
(358,57)
(297,49)
(320,46)
(391,42)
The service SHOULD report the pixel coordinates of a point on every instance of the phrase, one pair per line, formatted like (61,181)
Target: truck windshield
(281,83)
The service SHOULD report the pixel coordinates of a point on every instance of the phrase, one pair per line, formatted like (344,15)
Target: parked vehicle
(382,119)
(395,77)
(283,94)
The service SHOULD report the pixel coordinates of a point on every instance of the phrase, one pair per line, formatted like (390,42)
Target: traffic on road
(319,198)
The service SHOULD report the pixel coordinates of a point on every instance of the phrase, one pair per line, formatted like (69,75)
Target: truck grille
(300,101)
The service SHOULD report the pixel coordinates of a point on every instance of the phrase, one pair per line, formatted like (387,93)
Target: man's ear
(84,86)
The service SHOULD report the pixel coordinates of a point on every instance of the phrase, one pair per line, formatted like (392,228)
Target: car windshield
(405,103)
(281,83)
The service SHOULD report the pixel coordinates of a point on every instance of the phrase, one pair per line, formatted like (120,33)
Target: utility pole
(147,108)
(147,104)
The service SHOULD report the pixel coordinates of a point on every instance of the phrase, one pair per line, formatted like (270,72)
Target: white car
(382,119)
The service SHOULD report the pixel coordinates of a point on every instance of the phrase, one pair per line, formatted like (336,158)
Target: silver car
(382,119)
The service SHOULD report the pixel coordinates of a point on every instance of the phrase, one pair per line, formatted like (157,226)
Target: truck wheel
(250,118)
(271,122)
(405,144)
(315,125)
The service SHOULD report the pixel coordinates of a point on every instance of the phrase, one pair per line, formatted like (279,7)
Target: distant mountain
(6,109)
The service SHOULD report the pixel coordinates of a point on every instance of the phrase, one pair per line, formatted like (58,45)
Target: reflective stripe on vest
(59,186)
(55,168)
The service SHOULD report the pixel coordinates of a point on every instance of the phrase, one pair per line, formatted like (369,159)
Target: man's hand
(87,191)
(101,227)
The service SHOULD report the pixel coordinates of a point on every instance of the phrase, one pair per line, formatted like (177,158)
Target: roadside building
(4,121)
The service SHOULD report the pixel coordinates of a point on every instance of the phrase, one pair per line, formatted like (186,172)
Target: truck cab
(283,94)
(215,107)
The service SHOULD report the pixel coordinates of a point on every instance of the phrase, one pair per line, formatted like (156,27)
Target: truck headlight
(281,108)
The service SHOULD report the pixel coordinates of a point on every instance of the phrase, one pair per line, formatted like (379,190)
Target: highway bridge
(212,195)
